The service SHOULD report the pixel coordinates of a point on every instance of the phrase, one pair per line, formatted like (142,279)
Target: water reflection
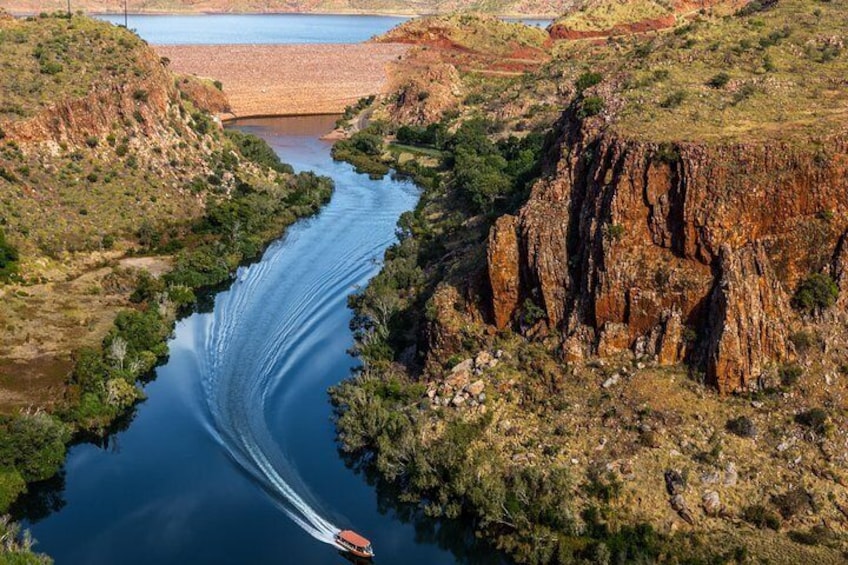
(164,486)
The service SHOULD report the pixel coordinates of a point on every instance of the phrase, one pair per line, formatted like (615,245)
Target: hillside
(603,18)
(120,196)
(544,8)
(615,327)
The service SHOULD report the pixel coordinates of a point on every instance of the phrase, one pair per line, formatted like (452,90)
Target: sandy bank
(262,80)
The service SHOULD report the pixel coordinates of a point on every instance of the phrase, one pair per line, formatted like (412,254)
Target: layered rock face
(684,251)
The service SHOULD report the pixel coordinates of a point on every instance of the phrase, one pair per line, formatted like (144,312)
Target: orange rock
(748,314)
(633,235)
(504,269)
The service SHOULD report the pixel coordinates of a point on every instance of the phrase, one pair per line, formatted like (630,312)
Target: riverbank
(288,80)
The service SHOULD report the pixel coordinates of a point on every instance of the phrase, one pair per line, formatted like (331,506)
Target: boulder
(678,503)
(460,375)
(475,388)
(612,381)
(711,503)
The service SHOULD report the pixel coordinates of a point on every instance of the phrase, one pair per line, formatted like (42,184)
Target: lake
(212,29)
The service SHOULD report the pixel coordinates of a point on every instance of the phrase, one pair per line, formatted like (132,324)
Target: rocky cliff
(675,250)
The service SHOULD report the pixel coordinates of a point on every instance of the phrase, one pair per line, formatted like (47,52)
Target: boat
(354,544)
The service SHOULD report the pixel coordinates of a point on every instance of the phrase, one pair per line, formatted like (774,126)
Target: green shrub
(815,294)
(674,99)
(817,535)
(741,426)
(587,80)
(590,106)
(761,517)
(470,100)
(256,149)
(431,136)
(367,143)
(51,67)
(12,484)
(143,331)
(719,81)
(147,288)
(792,502)
(815,419)
(614,232)
(745,91)
(790,374)
(8,259)
(531,313)
(804,341)
(667,153)
(202,122)
(89,370)
(33,444)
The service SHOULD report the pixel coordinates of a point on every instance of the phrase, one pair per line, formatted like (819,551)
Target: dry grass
(476,33)
(549,418)
(42,324)
(602,16)
(783,70)
(51,59)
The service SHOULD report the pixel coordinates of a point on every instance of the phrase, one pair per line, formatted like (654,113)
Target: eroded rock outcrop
(748,314)
(680,250)
(503,262)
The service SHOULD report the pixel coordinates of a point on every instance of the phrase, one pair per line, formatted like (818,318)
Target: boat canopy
(354,539)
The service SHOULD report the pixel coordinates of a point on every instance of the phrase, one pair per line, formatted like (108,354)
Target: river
(232,458)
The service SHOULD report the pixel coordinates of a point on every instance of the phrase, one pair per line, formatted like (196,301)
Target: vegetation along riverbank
(613,330)
(119,202)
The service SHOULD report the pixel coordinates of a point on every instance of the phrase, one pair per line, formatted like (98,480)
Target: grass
(604,15)
(47,59)
(772,73)
(92,190)
(426,151)
(481,34)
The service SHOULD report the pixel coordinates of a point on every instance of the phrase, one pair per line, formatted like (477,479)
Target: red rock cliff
(677,250)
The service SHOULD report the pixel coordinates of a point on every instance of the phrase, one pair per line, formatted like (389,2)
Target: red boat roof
(354,538)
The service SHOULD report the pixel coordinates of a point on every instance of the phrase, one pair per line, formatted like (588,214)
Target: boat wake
(270,324)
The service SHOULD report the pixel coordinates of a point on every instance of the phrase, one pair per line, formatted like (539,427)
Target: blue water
(232,458)
(212,29)
(256,28)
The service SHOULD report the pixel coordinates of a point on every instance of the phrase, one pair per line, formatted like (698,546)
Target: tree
(118,351)
(815,294)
